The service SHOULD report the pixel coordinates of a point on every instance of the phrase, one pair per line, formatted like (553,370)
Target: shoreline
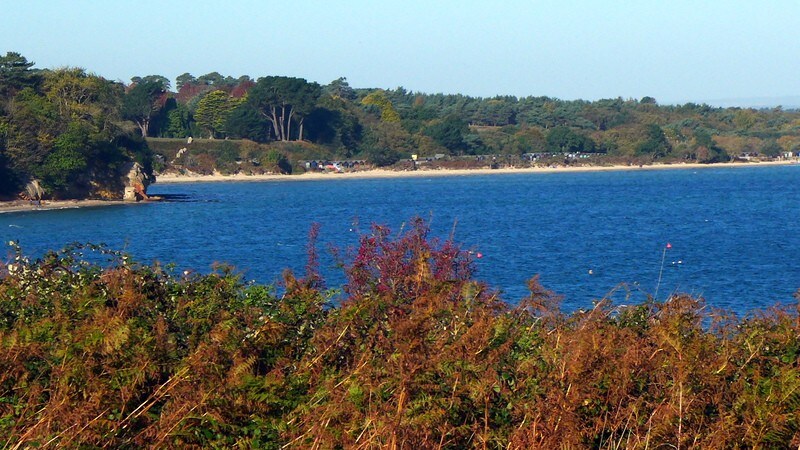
(51,205)
(48,205)
(172,178)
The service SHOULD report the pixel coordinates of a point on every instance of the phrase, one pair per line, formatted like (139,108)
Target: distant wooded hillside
(67,126)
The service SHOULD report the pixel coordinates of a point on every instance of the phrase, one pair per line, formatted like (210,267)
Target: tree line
(64,126)
(386,125)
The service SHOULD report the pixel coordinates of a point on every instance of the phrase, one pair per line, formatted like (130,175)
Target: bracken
(99,351)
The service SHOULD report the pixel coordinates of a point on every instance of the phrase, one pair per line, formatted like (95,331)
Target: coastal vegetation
(413,350)
(63,129)
(69,129)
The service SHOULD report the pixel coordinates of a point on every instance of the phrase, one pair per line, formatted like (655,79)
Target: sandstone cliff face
(135,182)
(129,182)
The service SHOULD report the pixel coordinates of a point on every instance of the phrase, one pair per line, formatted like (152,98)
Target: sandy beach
(382,173)
(21,205)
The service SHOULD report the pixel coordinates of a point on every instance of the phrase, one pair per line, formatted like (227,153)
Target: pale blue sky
(675,51)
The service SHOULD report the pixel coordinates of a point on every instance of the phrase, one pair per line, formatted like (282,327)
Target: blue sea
(734,233)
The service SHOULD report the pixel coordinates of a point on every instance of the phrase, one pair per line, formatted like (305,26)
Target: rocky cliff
(135,182)
(129,182)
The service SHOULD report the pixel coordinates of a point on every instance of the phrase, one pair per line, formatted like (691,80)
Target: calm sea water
(735,233)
